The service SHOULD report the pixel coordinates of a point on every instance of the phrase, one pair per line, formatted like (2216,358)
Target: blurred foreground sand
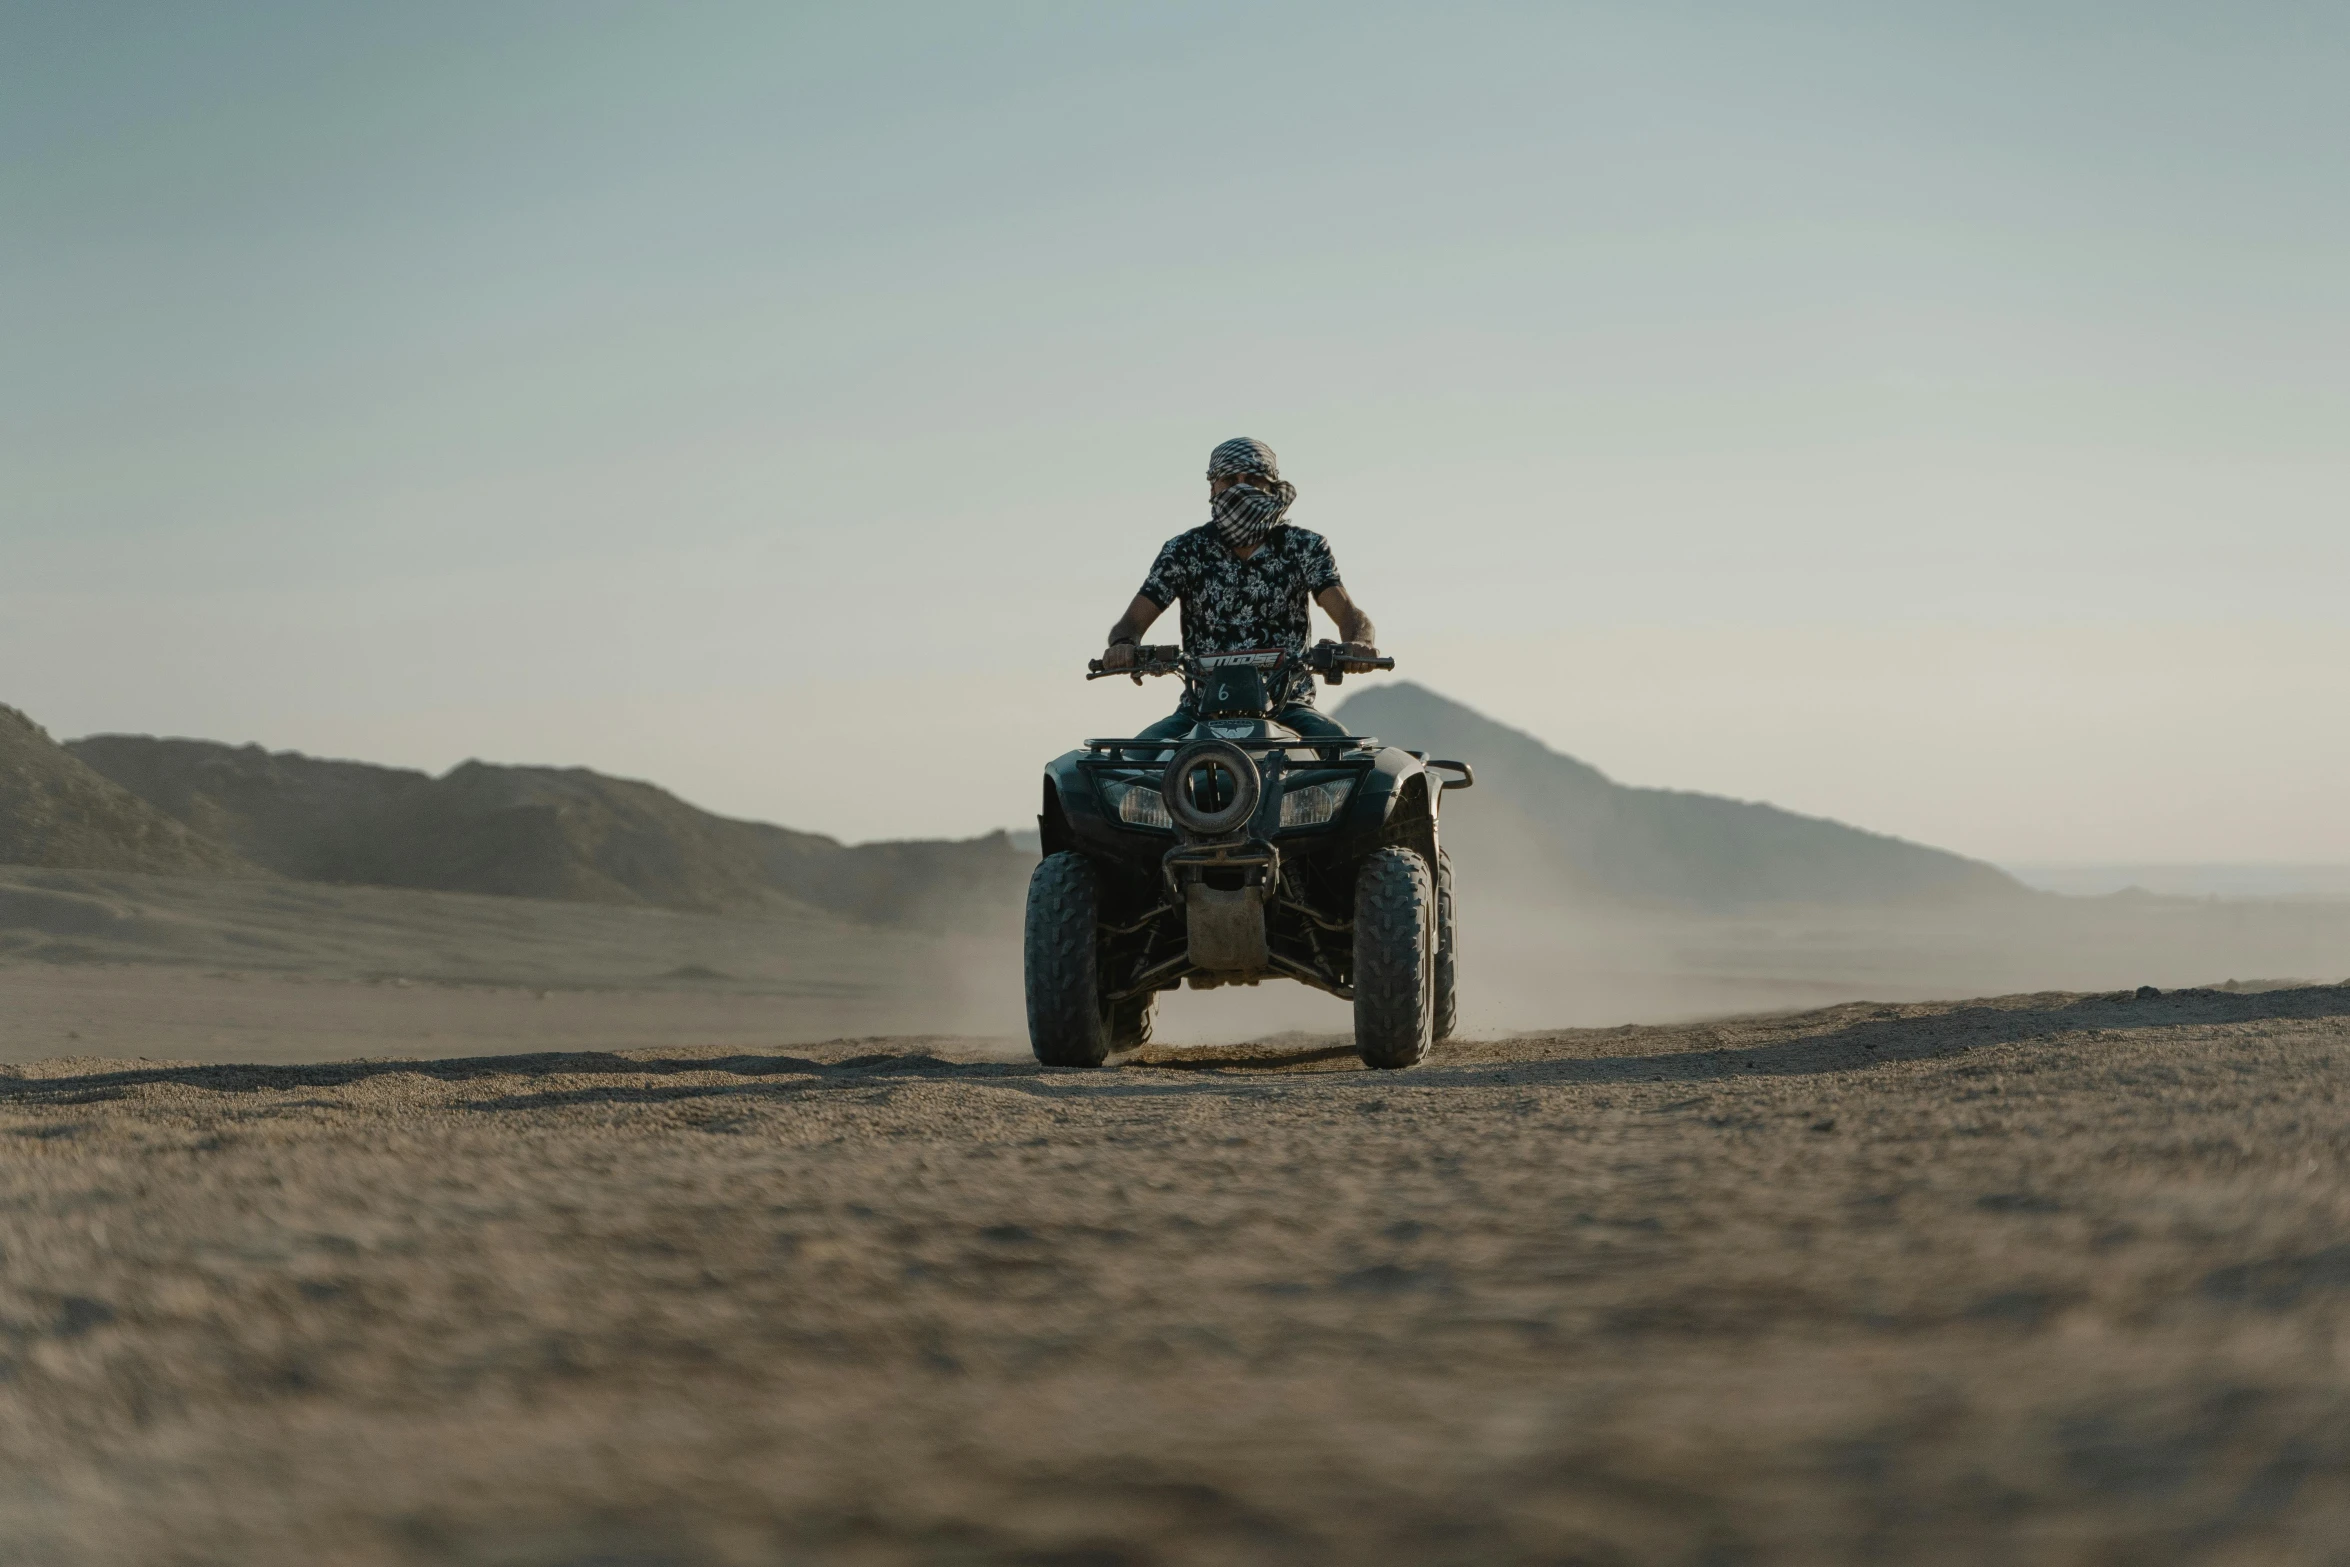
(2046,1279)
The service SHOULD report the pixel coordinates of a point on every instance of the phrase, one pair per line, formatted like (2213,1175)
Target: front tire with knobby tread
(1066,1025)
(1394,959)
(1448,1000)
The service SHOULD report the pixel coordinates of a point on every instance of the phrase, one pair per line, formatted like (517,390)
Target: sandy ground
(2048,1279)
(106,964)
(130,1011)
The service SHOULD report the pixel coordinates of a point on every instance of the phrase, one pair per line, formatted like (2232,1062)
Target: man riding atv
(1244,577)
(1245,837)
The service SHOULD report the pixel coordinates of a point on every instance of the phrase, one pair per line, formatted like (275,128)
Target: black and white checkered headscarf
(1249,510)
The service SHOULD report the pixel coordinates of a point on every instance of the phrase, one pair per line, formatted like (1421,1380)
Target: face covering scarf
(1245,513)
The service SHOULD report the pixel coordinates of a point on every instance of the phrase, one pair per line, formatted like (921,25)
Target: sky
(1931,417)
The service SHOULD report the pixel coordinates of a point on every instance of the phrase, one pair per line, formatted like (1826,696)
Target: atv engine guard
(1224,927)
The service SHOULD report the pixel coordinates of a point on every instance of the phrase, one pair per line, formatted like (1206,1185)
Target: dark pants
(1305,720)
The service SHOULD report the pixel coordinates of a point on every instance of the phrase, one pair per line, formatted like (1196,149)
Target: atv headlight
(1314,804)
(1140,805)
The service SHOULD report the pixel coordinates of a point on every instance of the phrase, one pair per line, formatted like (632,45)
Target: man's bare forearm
(1128,632)
(1353,625)
(1137,620)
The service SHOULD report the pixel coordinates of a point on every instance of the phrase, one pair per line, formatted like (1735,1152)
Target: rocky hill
(59,813)
(293,814)
(543,832)
(1547,827)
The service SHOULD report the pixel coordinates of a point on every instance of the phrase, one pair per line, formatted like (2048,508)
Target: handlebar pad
(1164,658)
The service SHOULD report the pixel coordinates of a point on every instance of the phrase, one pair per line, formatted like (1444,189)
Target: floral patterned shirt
(1230,604)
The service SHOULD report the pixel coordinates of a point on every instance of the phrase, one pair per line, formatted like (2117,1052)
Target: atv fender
(1395,804)
(1072,813)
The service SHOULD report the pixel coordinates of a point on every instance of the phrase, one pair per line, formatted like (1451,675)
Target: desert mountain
(541,832)
(1541,826)
(57,812)
(293,814)
(1544,825)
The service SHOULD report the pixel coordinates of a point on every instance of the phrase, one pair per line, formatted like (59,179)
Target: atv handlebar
(1327,659)
(1152,658)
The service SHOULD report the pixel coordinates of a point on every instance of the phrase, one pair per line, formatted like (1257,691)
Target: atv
(1240,851)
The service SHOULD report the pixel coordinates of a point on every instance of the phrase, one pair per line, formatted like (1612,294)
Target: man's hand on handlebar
(1124,658)
(1357,658)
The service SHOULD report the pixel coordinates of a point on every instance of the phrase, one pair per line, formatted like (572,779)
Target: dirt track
(2048,1279)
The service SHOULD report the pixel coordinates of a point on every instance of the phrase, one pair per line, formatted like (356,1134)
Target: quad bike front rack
(1325,748)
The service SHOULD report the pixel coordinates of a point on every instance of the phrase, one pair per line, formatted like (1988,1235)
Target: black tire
(1395,959)
(1066,1025)
(1248,786)
(1130,1021)
(1448,1001)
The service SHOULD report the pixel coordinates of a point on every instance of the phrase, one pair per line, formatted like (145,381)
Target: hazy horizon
(1930,422)
(2260,879)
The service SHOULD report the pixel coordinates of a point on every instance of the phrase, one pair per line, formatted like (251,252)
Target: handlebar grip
(1150,658)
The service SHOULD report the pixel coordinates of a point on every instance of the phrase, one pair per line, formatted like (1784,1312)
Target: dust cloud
(1528,966)
(1531,967)
(196,969)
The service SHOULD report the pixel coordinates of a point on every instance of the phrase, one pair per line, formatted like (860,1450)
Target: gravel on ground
(2042,1279)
